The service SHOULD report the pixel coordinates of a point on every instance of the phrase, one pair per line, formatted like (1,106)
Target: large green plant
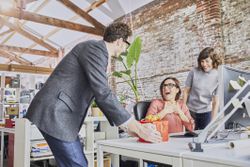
(129,62)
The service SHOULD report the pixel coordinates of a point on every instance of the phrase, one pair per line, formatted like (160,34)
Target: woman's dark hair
(116,31)
(177,85)
(209,52)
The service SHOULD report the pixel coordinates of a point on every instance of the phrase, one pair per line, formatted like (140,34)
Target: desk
(175,152)
(166,153)
(217,155)
(4,130)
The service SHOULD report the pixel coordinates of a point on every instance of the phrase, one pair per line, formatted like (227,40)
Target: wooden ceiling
(16,18)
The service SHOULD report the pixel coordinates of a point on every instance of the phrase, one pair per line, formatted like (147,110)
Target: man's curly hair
(116,31)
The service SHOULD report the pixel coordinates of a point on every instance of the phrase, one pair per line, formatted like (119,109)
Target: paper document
(233,85)
(241,81)
(236,103)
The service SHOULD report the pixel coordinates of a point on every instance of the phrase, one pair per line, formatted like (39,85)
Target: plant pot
(96,112)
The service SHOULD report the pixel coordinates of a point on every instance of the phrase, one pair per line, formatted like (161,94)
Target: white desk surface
(221,154)
(174,147)
(178,147)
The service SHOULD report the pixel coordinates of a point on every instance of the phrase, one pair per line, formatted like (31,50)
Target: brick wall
(236,32)
(175,31)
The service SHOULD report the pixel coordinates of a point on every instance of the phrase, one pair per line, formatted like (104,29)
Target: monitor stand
(220,119)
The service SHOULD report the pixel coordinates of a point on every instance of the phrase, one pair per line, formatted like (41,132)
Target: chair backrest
(140,109)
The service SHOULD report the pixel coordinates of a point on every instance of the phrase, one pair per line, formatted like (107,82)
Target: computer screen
(240,117)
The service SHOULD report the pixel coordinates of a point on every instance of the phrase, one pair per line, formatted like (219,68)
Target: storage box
(96,112)
(106,162)
(12,111)
(9,123)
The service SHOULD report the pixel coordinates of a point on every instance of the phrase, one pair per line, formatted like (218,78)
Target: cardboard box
(106,162)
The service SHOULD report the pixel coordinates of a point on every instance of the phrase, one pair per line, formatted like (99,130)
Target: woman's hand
(192,124)
(181,114)
(169,108)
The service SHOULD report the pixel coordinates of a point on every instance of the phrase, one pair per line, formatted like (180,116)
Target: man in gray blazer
(59,108)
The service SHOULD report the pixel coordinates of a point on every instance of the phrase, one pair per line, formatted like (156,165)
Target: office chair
(140,109)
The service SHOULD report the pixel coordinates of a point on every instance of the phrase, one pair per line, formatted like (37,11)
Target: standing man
(60,107)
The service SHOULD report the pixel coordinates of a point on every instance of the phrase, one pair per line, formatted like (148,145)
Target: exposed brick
(175,31)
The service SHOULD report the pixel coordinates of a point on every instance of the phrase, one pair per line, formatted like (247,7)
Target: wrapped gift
(161,126)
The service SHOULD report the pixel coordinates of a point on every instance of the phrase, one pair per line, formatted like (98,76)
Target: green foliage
(129,61)
(122,98)
(94,104)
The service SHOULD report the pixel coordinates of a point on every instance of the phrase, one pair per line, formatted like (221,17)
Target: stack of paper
(236,85)
(241,80)
(233,85)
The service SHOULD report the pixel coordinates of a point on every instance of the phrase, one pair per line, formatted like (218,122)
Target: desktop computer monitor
(240,117)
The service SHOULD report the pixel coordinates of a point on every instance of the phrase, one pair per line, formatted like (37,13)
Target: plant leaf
(117,74)
(138,50)
(127,72)
(119,58)
(134,52)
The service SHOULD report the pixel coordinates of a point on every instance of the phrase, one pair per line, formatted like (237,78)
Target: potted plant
(122,98)
(95,110)
(129,62)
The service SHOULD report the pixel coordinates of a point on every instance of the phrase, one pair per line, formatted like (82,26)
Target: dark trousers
(67,154)
(201,119)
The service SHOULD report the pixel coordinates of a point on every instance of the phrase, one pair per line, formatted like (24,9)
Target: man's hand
(147,131)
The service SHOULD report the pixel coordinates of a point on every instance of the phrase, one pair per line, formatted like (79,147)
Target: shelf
(95,119)
(11,104)
(7,130)
(88,152)
(42,158)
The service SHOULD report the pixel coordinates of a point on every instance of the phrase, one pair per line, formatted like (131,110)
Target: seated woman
(170,108)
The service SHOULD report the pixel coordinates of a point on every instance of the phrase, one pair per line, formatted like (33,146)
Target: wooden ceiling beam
(83,14)
(95,5)
(55,30)
(25,68)
(8,37)
(20,14)
(91,7)
(23,3)
(14,58)
(36,10)
(28,35)
(6,32)
(28,51)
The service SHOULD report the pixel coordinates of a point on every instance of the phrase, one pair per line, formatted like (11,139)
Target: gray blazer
(60,107)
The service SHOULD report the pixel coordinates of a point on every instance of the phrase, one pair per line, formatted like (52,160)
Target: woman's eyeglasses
(169,85)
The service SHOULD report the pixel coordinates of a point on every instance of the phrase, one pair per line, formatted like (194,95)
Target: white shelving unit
(17,90)
(87,130)
(16,93)
(25,134)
